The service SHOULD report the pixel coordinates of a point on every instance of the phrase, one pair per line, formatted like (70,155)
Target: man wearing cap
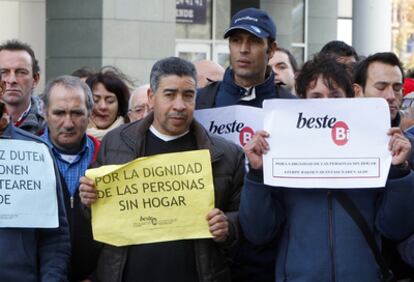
(248,81)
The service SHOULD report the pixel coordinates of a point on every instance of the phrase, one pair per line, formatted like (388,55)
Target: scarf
(100,133)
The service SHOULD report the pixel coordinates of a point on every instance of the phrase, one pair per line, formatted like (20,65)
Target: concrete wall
(281,13)
(74,35)
(25,20)
(129,34)
(136,33)
(322,24)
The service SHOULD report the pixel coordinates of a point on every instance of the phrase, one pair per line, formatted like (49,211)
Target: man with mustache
(172,128)
(19,68)
(68,105)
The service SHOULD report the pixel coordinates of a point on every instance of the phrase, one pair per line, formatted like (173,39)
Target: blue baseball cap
(254,21)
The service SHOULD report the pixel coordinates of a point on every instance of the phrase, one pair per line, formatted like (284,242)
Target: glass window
(193,51)
(222,17)
(196,41)
(298,21)
(403,31)
(221,54)
(299,54)
(344,30)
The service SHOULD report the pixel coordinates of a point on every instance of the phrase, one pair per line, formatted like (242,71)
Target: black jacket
(127,143)
(84,249)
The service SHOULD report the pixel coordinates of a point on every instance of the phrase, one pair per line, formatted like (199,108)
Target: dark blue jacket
(318,240)
(35,254)
(406,249)
(228,93)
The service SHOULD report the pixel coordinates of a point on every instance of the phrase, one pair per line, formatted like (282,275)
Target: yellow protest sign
(160,198)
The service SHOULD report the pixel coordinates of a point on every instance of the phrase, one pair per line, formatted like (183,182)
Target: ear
(45,113)
(149,107)
(151,98)
(272,49)
(359,92)
(36,79)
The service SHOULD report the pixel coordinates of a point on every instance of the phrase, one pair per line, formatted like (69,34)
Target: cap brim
(252,29)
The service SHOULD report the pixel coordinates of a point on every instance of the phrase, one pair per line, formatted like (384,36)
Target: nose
(178,103)
(9,77)
(245,46)
(101,105)
(68,122)
(390,94)
(276,72)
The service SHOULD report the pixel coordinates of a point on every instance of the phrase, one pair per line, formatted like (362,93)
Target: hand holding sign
(87,191)
(256,148)
(218,225)
(399,146)
(154,199)
(330,143)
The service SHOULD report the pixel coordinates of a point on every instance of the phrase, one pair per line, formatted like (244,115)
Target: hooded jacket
(319,241)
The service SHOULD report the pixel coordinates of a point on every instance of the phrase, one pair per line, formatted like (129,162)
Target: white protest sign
(234,123)
(27,185)
(327,143)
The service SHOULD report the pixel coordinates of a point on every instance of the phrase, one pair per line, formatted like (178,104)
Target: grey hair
(171,66)
(135,92)
(71,82)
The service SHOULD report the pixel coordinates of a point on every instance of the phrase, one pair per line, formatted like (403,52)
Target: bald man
(138,103)
(208,71)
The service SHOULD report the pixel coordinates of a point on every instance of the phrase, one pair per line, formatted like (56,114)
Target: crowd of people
(92,118)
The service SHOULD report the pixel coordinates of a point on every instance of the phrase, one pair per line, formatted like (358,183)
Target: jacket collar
(396,121)
(264,88)
(8,131)
(140,129)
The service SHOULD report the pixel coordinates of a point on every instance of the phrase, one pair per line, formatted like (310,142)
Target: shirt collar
(248,94)
(25,113)
(84,144)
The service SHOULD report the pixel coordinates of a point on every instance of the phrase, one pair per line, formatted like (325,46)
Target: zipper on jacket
(71,202)
(331,239)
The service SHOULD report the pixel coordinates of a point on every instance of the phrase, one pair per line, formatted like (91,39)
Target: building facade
(133,34)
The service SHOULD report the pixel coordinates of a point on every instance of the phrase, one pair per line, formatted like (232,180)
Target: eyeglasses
(139,109)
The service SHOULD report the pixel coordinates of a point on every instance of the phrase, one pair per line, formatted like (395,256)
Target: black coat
(127,143)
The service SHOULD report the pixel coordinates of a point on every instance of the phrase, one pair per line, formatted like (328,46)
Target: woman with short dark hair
(110,95)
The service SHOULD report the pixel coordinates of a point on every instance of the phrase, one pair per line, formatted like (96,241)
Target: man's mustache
(177,115)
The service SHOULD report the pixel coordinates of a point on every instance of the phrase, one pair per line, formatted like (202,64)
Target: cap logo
(255,28)
(247,18)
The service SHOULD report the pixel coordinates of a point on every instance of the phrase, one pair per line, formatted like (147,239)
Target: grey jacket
(127,142)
